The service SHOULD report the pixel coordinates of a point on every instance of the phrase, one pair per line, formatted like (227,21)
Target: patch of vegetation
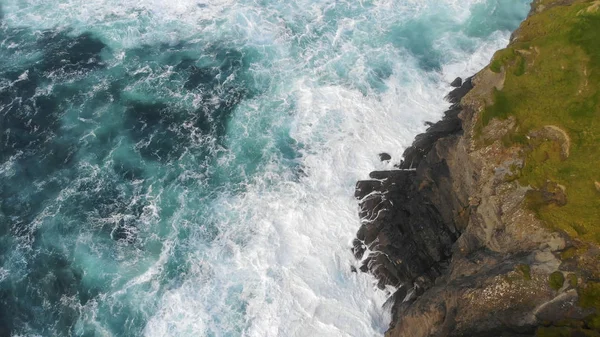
(502,108)
(593,321)
(520,66)
(569,253)
(589,297)
(512,138)
(506,58)
(565,332)
(556,280)
(525,270)
(552,78)
(572,278)
(502,58)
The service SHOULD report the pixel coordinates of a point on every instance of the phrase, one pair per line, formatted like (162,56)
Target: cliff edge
(491,224)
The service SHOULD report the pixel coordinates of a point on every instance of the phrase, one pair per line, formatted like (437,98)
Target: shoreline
(453,230)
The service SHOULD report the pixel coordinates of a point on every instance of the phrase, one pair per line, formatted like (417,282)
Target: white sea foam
(294,268)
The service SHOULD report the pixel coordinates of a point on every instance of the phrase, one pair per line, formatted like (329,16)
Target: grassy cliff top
(547,92)
(552,91)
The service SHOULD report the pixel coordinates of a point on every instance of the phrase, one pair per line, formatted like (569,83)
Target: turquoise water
(186,168)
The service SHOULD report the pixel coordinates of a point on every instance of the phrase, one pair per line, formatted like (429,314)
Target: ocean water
(186,167)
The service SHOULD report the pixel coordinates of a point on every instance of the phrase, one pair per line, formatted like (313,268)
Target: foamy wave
(291,267)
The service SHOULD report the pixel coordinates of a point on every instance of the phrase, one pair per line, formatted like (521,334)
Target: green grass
(553,78)
(556,280)
(589,297)
(502,108)
(572,278)
(525,270)
(501,58)
(509,57)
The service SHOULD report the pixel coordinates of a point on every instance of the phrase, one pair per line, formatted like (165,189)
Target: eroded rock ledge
(451,228)
(407,234)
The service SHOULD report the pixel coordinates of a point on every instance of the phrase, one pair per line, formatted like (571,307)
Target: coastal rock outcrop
(457,82)
(399,212)
(460,230)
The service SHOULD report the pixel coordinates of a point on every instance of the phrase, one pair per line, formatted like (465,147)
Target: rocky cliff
(491,224)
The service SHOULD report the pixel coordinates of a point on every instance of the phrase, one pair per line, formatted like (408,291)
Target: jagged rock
(449,125)
(456,95)
(451,233)
(464,243)
(410,236)
(457,82)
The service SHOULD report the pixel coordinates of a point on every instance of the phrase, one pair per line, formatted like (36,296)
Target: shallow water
(186,168)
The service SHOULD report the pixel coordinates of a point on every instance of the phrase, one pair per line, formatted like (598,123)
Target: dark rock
(384,156)
(457,94)
(457,82)
(381,175)
(405,221)
(449,125)
(366,187)
(409,220)
(358,248)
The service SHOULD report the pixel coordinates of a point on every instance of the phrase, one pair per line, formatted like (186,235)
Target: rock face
(451,230)
(399,214)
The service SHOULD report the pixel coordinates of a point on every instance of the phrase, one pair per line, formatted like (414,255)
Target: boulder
(384,156)
(457,82)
